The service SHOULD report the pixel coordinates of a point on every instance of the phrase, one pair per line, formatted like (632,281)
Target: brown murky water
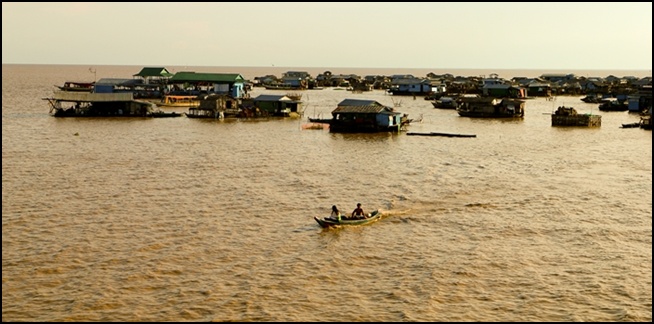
(177,219)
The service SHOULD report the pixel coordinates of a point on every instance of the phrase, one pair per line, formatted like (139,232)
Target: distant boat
(320,120)
(180,101)
(445,103)
(77,86)
(592,98)
(631,125)
(612,104)
(442,134)
(163,114)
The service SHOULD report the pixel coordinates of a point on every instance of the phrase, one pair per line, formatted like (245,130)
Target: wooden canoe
(326,222)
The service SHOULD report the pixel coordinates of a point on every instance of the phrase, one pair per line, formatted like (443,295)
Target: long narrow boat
(326,222)
(442,134)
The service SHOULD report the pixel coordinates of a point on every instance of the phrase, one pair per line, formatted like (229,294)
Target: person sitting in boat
(336,214)
(358,213)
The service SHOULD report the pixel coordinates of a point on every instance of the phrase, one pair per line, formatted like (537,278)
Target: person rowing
(358,213)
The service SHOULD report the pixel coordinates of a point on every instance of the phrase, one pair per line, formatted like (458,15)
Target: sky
(500,35)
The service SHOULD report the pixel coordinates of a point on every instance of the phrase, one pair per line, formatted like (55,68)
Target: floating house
(640,101)
(489,107)
(503,91)
(192,83)
(539,89)
(365,116)
(215,106)
(156,75)
(410,86)
(278,105)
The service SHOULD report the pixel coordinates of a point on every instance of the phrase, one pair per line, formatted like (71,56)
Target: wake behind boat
(326,222)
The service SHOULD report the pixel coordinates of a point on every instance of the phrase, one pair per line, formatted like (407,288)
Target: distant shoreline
(249,72)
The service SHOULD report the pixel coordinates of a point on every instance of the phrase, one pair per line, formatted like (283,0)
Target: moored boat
(91,104)
(326,222)
(445,103)
(613,104)
(631,125)
(320,120)
(180,101)
(77,86)
(163,114)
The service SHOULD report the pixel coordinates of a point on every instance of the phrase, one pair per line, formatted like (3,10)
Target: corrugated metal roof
(486,100)
(116,81)
(207,77)
(497,86)
(371,109)
(272,98)
(359,102)
(92,97)
(410,81)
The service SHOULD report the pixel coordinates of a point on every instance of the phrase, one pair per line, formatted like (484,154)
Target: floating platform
(568,116)
(586,120)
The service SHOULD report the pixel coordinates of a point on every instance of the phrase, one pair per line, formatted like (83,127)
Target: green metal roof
(154,71)
(207,77)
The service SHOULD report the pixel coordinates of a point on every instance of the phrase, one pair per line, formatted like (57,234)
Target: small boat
(631,125)
(326,222)
(320,120)
(180,101)
(441,134)
(77,86)
(592,98)
(163,114)
(445,103)
(612,104)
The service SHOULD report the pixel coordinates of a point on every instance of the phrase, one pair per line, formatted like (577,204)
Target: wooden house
(193,83)
(365,116)
(215,106)
(503,91)
(410,86)
(539,89)
(489,107)
(277,105)
(158,75)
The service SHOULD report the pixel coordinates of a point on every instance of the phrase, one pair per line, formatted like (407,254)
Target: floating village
(228,95)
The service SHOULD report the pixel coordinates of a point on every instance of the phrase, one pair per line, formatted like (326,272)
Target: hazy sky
(572,35)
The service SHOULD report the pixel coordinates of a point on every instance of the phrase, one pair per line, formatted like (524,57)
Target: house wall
(540,91)
(497,92)
(268,106)
(103,89)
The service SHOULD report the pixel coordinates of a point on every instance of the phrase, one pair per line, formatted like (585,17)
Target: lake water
(178,219)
